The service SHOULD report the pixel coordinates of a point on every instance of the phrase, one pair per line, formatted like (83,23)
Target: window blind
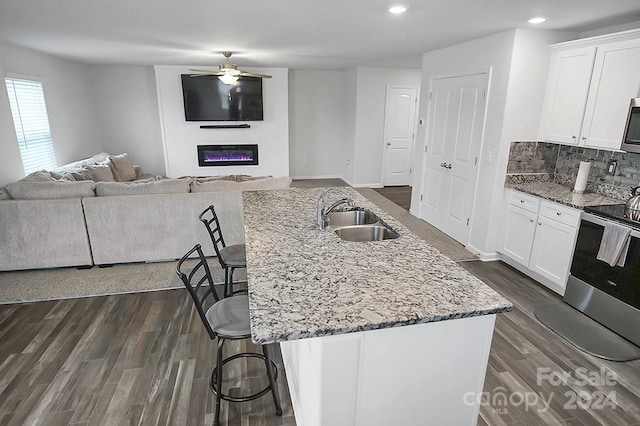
(29,110)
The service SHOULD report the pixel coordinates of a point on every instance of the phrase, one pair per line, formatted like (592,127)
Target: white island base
(423,374)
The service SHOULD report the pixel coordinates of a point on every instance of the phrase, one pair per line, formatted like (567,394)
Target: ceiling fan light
(397,10)
(228,78)
(537,20)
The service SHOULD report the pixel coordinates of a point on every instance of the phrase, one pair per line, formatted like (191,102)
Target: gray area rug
(65,283)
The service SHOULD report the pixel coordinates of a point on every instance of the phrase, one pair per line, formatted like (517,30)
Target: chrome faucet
(323,212)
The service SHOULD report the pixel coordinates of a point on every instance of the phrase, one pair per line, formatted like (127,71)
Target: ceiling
(329,34)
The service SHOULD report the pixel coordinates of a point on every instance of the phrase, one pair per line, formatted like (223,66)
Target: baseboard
(318,177)
(367,185)
(484,256)
(544,281)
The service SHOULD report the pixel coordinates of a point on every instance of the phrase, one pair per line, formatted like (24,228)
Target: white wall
(369,125)
(318,122)
(337,122)
(517,60)
(522,113)
(127,113)
(352,110)
(180,138)
(67,89)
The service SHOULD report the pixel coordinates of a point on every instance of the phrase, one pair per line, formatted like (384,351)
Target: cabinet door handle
(584,138)
(558,213)
(539,223)
(574,137)
(522,201)
(531,220)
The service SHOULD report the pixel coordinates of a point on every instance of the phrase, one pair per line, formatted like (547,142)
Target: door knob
(388,143)
(447,166)
(443,164)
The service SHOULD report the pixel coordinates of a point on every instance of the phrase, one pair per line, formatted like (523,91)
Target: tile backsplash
(562,162)
(532,157)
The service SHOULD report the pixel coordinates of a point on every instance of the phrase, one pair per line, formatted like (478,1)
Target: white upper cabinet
(615,80)
(566,95)
(589,87)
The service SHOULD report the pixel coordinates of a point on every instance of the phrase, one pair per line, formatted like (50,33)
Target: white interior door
(399,132)
(454,138)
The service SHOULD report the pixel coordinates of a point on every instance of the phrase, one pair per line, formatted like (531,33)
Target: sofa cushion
(121,167)
(247,185)
(165,186)
(266,183)
(214,186)
(4,194)
(51,190)
(100,173)
(39,176)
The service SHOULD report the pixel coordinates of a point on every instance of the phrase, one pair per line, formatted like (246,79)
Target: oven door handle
(602,222)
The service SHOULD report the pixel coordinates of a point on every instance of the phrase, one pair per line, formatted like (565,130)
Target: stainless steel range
(607,294)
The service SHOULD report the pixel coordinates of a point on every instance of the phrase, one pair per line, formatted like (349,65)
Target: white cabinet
(589,87)
(552,250)
(520,227)
(566,94)
(615,80)
(539,238)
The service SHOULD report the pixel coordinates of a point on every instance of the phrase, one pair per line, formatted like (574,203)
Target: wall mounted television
(206,98)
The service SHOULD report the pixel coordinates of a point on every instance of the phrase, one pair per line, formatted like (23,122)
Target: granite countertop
(305,282)
(561,194)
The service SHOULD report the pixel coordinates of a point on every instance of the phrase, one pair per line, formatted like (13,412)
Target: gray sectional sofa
(46,223)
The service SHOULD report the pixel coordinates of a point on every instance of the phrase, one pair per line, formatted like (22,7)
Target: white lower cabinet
(520,228)
(539,238)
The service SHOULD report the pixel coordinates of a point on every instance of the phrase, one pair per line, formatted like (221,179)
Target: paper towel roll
(583,175)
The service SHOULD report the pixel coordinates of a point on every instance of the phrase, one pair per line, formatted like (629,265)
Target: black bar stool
(225,319)
(230,257)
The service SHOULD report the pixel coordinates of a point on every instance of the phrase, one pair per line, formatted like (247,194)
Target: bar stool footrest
(214,388)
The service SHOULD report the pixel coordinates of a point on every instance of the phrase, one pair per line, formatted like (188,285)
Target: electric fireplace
(227,155)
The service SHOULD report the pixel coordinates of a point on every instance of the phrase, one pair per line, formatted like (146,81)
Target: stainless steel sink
(366,233)
(351,217)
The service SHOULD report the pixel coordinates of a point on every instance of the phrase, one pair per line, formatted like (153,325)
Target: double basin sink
(360,225)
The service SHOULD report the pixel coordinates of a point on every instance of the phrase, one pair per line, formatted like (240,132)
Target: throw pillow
(82,174)
(101,173)
(51,190)
(121,167)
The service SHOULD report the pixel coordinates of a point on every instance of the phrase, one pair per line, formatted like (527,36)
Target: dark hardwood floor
(401,195)
(141,358)
(564,385)
(145,359)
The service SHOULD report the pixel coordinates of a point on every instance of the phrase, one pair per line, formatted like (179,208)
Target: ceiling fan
(228,73)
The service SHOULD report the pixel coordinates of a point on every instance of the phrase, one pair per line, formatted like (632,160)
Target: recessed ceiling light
(397,10)
(538,20)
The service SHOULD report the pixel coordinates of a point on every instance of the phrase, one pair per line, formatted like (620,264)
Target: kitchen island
(372,333)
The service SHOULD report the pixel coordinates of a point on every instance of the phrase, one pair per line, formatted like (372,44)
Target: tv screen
(206,98)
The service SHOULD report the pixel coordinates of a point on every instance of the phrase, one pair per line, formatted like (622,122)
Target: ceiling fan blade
(251,74)
(205,72)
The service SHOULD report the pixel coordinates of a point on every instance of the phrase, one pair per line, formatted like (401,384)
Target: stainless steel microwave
(631,139)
